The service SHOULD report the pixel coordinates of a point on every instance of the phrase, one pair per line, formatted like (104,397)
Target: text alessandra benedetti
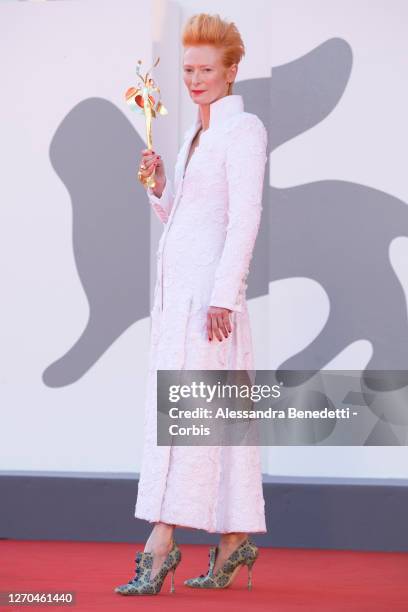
(268,413)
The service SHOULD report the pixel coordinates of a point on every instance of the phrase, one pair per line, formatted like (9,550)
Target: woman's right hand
(151,161)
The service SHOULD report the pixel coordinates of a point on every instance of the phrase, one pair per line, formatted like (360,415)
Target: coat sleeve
(245,170)
(162,206)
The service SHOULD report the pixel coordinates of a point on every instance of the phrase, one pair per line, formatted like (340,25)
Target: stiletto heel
(172,587)
(245,554)
(142,584)
(249,566)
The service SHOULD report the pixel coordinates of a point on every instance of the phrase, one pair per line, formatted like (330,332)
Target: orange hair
(205,29)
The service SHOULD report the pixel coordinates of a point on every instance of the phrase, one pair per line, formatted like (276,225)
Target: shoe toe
(195,582)
(122,589)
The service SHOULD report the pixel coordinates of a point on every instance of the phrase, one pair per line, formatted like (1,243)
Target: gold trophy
(142,100)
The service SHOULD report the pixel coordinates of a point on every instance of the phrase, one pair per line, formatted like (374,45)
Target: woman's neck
(205,116)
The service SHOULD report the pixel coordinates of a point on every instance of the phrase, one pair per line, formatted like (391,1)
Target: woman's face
(204,74)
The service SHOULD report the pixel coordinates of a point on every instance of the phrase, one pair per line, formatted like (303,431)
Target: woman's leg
(159,543)
(228,543)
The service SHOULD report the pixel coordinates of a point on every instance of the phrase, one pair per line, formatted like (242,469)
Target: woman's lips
(197,90)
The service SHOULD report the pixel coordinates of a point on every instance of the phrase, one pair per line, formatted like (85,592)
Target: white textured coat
(211,213)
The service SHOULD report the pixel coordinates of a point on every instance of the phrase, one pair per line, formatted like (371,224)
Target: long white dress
(210,213)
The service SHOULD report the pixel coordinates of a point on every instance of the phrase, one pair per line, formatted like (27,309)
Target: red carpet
(283,579)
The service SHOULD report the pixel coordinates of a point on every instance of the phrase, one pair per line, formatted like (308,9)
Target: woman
(211,214)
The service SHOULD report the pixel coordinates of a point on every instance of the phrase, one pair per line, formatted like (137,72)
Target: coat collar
(220,110)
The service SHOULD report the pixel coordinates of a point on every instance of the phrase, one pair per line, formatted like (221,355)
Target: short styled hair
(205,29)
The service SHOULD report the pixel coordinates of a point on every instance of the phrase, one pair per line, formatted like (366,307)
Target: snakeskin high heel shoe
(245,554)
(142,584)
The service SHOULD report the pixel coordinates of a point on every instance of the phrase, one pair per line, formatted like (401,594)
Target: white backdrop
(60,53)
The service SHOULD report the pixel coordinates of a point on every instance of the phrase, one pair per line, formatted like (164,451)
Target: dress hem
(201,527)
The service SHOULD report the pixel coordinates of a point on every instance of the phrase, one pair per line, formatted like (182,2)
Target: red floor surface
(283,579)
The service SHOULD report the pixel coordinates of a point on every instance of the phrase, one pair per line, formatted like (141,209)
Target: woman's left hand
(218,322)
